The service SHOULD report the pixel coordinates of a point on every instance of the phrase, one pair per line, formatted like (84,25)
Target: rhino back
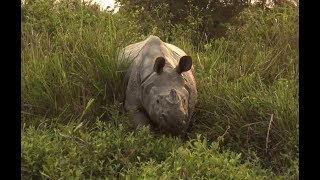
(131,51)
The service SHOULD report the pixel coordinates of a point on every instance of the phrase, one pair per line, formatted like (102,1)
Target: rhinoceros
(159,85)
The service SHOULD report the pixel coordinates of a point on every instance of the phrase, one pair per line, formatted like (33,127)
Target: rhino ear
(185,64)
(159,64)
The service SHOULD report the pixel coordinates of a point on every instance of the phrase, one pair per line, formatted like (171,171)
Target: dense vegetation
(245,124)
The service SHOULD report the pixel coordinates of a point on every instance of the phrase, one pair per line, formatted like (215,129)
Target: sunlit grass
(71,96)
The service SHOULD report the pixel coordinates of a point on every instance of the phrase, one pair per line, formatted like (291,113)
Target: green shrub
(247,83)
(106,150)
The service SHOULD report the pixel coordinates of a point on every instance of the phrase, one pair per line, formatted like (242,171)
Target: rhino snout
(174,120)
(181,119)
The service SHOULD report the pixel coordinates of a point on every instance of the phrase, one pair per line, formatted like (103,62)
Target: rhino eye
(158,101)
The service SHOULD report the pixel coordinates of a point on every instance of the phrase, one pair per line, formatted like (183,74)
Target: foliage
(106,150)
(201,19)
(65,68)
(247,83)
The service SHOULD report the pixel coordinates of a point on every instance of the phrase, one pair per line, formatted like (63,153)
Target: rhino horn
(173,96)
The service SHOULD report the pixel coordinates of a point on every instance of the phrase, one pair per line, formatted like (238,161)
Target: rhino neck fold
(146,78)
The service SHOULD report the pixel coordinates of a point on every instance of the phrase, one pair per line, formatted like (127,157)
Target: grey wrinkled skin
(162,97)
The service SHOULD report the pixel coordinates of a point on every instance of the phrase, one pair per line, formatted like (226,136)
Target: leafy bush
(105,150)
(199,19)
(247,83)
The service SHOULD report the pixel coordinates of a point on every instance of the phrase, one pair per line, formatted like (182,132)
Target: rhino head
(165,96)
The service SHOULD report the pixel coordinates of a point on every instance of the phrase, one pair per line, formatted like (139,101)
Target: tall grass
(247,84)
(64,69)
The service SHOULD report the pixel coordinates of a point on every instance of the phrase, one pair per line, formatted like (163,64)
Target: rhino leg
(139,119)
